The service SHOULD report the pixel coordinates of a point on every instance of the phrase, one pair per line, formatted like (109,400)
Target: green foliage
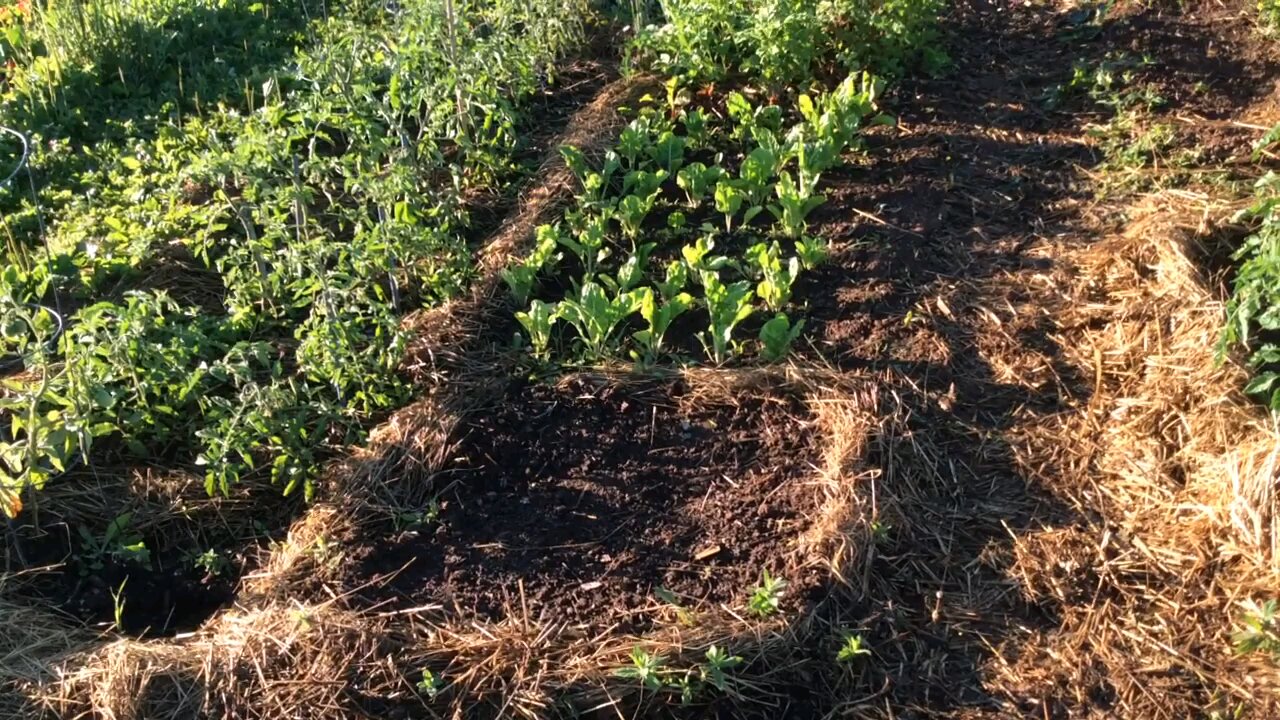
(696,179)
(727,306)
(1269,16)
(777,336)
(812,251)
(782,42)
(430,684)
(647,670)
(795,202)
(596,315)
(776,276)
(659,316)
(1253,311)
(852,649)
(1259,629)
(537,323)
(295,172)
(767,596)
(521,276)
(783,155)
(715,671)
(119,543)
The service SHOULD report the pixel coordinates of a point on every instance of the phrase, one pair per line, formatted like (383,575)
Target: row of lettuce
(228,205)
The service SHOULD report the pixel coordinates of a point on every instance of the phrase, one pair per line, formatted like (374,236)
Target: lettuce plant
(537,323)
(727,306)
(595,315)
(777,335)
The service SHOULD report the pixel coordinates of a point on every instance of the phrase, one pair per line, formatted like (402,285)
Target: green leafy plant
(667,152)
(852,649)
(777,277)
(1259,630)
(716,671)
(696,179)
(659,316)
(212,563)
(729,201)
(521,276)
(430,684)
(119,542)
(648,670)
(766,596)
(777,336)
(812,251)
(596,315)
(698,258)
(728,304)
(631,273)
(537,322)
(795,202)
(631,212)
(590,245)
(1253,310)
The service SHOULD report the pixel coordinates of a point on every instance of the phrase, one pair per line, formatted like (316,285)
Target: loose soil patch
(578,502)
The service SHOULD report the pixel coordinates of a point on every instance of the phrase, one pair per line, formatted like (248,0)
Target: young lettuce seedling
(589,247)
(537,322)
(729,200)
(795,202)
(696,179)
(775,286)
(521,277)
(727,305)
(595,316)
(659,316)
(698,257)
(777,335)
(812,251)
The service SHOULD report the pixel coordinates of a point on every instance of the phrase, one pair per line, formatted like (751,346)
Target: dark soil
(578,503)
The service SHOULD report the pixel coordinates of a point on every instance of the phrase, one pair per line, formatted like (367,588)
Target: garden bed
(585,501)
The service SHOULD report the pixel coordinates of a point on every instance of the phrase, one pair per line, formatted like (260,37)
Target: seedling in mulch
(715,671)
(880,532)
(766,597)
(117,602)
(852,650)
(415,519)
(213,563)
(325,552)
(684,615)
(119,542)
(645,668)
(1260,630)
(431,684)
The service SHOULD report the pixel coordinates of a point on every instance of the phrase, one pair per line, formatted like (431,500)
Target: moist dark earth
(579,502)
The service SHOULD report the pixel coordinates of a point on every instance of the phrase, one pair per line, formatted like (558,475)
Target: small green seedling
(212,563)
(1260,629)
(645,668)
(727,305)
(521,276)
(715,671)
(777,336)
(852,650)
(767,596)
(812,251)
(537,322)
(431,684)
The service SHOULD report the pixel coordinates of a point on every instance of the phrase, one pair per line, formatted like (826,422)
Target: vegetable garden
(885,358)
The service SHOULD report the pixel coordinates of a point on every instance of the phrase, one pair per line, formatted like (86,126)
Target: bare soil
(578,502)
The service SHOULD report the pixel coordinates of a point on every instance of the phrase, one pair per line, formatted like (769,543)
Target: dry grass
(1172,471)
